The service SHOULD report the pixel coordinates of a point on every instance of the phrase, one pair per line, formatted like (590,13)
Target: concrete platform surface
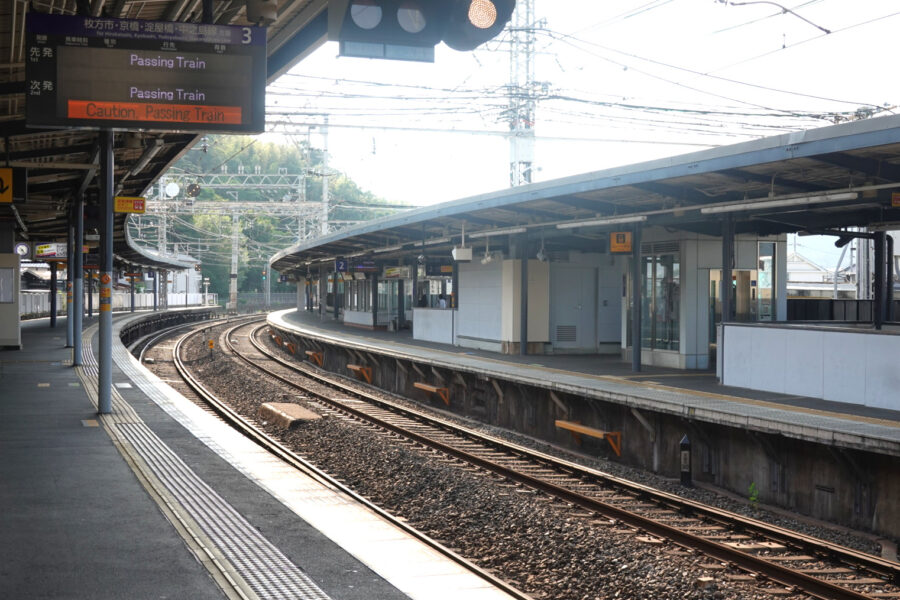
(75,522)
(696,394)
(162,500)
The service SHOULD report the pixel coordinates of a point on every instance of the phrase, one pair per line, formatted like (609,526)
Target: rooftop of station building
(815,181)
(63,164)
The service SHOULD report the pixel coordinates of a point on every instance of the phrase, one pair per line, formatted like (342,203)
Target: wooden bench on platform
(577,429)
(442,392)
(361,372)
(315,357)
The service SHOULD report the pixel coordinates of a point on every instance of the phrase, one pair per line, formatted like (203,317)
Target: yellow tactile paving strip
(414,568)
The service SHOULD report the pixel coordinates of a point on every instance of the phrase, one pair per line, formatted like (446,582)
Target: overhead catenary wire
(715,77)
(761,19)
(814,38)
(783,8)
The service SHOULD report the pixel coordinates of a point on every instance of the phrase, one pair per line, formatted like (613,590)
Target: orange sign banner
(149,111)
(129,204)
(620,242)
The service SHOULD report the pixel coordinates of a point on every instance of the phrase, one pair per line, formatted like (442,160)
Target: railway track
(798,563)
(250,429)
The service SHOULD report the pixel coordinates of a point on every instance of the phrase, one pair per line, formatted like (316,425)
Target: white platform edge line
(306,499)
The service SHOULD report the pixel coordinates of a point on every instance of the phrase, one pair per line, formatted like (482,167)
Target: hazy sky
(618,82)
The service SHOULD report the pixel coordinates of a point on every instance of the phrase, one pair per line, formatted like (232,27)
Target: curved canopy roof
(62,163)
(816,181)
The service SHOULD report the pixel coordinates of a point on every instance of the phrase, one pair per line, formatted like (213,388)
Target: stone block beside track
(286,415)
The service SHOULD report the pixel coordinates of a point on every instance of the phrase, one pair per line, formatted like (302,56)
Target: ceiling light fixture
(506,231)
(443,240)
(604,221)
(541,253)
(487,252)
(786,202)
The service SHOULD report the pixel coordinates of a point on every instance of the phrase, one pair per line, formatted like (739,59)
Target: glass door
(660,302)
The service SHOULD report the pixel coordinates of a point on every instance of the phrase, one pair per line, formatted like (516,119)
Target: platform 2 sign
(134,73)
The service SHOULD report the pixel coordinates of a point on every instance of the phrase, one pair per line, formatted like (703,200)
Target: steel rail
(748,562)
(152,339)
(887,569)
(302,465)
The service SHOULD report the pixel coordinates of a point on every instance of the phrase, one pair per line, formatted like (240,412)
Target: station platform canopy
(816,181)
(63,164)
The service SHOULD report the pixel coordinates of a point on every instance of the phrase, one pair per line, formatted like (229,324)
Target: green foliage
(753,494)
(208,236)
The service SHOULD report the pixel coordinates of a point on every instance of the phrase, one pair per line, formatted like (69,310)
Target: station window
(357,295)
(7,285)
(661,302)
(752,291)
(765,295)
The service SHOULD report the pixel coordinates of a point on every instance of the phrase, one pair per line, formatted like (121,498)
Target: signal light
(409,29)
(471,23)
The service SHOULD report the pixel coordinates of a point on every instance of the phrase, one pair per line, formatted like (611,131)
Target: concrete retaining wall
(852,487)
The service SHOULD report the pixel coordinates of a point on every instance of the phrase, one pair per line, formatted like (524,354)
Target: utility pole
(521,93)
(161,232)
(325,177)
(235,248)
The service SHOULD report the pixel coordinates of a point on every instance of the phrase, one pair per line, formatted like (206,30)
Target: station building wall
(538,303)
(479,322)
(488,316)
(585,303)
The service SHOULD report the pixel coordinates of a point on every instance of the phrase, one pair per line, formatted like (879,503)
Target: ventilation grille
(660,248)
(566,333)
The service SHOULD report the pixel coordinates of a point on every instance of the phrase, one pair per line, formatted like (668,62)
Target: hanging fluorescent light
(799,201)
(388,249)
(605,221)
(490,232)
(443,240)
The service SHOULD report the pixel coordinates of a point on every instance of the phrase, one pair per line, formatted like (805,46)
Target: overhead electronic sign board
(138,74)
(365,266)
(438,270)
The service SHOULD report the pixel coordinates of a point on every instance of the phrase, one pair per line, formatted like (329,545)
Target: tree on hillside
(208,237)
